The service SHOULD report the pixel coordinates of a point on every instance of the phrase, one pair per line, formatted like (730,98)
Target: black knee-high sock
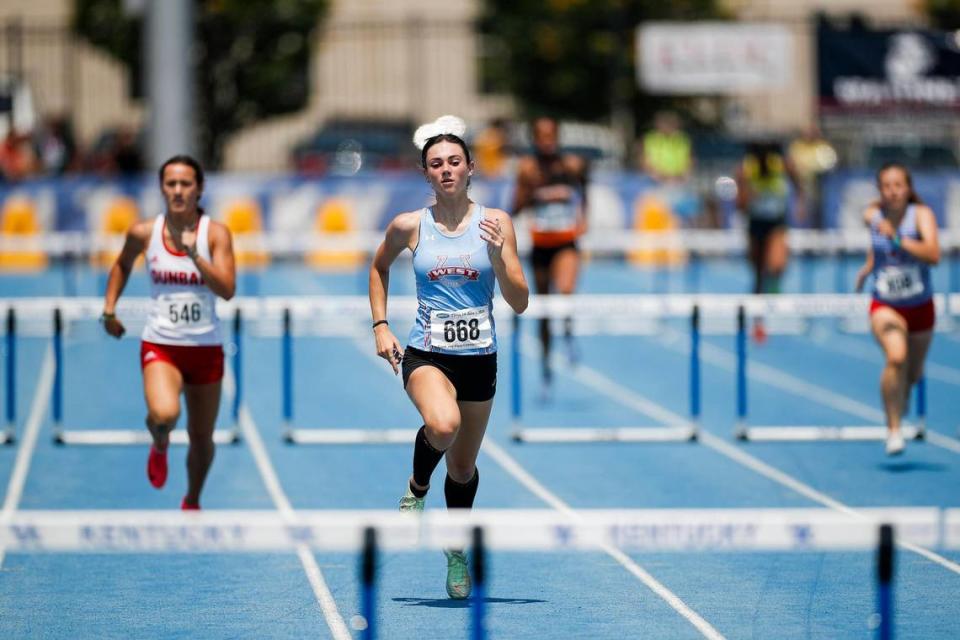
(545,340)
(460,496)
(425,460)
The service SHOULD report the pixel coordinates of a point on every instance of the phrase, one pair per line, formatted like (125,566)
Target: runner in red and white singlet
(190,263)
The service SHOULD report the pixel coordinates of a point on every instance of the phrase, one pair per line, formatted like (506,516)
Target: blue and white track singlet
(899,279)
(455,282)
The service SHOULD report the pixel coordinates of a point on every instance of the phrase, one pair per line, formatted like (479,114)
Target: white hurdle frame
(329,436)
(132,437)
(813,433)
(689,432)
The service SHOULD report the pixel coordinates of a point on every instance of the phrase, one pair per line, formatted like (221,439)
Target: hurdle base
(350,436)
(686,433)
(811,433)
(8,437)
(131,437)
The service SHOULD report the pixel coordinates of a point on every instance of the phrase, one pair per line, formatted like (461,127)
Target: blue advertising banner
(863,69)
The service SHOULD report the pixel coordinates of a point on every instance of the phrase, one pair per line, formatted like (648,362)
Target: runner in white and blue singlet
(899,278)
(903,246)
(460,249)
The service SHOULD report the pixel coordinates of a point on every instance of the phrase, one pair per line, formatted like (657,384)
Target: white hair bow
(440,126)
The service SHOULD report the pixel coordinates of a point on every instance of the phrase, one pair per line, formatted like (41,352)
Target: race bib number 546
(183,312)
(461,330)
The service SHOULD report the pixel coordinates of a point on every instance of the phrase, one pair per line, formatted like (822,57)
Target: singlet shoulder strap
(911,213)
(424,218)
(156,235)
(203,236)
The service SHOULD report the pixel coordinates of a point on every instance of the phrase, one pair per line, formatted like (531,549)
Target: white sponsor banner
(803,530)
(713,57)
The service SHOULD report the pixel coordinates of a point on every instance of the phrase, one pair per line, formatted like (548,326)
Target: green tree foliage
(253,61)
(251,57)
(944,14)
(105,24)
(575,58)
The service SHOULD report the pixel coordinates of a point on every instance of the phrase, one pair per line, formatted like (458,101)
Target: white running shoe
(895,443)
(458,575)
(410,503)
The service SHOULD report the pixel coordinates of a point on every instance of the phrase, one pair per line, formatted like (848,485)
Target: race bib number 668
(899,282)
(461,330)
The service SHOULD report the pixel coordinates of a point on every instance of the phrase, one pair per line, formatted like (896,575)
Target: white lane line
(634,400)
(321,591)
(873,355)
(774,377)
(28,444)
(737,454)
(933,370)
(942,373)
(530,348)
(512,467)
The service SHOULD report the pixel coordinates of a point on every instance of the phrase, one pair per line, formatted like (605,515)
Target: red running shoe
(157,467)
(188,506)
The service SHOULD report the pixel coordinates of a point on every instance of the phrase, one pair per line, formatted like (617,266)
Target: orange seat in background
(243,219)
(121,214)
(652,216)
(19,220)
(335,217)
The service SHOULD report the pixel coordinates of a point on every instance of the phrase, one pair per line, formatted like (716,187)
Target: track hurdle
(681,433)
(808,433)
(294,435)
(885,572)
(126,437)
(8,436)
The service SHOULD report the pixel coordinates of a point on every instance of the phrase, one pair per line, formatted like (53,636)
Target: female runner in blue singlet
(460,249)
(903,246)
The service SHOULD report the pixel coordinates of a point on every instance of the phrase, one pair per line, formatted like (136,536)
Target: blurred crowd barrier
(287,203)
(847,192)
(251,204)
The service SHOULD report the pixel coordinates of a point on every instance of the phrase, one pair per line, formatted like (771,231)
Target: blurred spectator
(812,156)
(492,148)
(116,151)
(665,153)
(17,159)
(127,159)
(55,145)
(764,182)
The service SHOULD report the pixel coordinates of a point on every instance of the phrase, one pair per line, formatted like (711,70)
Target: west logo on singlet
(453,275)
(176,277)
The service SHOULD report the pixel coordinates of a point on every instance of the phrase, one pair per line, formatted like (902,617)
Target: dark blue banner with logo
(862,70)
